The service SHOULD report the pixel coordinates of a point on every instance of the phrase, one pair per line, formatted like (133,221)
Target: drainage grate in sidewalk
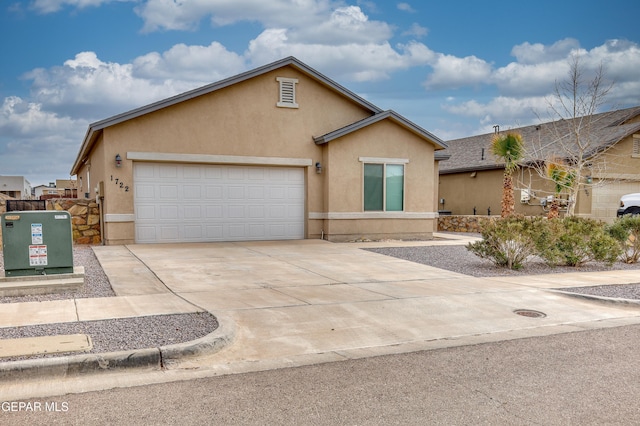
(529,313)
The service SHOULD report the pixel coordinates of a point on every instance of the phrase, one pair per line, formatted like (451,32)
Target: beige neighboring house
(61,188)
(278,152)
(472,177)
(45,190)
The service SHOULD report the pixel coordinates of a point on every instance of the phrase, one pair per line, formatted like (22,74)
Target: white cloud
(50,6)
(345,25)
(416,30)
(518,79)
(47,141)
(89,87)
(19,117)
(172,15)
(507,112)
(354,62)
(527,53)
(452,72)
(198,64)
(406,7)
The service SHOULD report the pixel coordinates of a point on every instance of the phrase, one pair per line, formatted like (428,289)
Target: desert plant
(509,148)
(562,179)
(574,241)
(507,241)
(626,230)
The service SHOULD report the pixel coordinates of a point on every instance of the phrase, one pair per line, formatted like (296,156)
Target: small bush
(626,230)
(574,241)
(508,241)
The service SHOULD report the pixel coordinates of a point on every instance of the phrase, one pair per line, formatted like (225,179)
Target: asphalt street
(581,378)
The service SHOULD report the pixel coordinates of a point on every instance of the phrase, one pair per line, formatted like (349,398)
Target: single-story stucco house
(471,179)
(278,152)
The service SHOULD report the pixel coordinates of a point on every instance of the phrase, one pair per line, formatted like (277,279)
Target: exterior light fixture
(118,160)
(318,168)
(589,180)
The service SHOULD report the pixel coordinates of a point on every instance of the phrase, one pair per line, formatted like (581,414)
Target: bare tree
(571,140)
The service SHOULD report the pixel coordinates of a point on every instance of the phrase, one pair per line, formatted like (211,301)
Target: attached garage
(606,198)
(273,153)
(197,203)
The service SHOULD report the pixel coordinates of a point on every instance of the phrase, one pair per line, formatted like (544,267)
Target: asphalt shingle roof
(474,152)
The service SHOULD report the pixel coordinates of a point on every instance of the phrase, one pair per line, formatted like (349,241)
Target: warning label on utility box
(38,255)
(36,233)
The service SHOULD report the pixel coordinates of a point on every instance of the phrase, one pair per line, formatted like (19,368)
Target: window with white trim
(287,92)
(383,187)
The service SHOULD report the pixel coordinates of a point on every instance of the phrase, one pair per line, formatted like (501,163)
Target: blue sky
(455,68)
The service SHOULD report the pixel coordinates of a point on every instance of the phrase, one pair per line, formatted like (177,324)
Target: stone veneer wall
(85,218)
(463,223)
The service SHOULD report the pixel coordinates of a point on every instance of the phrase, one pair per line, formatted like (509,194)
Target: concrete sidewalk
(308,301)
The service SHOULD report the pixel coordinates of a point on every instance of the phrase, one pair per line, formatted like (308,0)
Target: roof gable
(390,115)
(95,129)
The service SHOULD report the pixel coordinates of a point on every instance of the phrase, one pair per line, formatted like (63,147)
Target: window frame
(384,162)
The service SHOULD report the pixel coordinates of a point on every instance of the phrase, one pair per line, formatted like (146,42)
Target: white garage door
(606,199)
(196,203)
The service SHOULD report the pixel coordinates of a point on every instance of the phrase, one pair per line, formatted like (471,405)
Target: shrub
(574,241)
(508,241)
(626,230)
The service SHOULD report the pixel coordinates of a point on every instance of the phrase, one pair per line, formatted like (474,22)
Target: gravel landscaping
(459,259)
(109,335)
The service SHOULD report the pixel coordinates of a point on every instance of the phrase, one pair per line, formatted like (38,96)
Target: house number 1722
(120,184)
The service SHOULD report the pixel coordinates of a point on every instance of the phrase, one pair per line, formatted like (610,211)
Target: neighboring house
(45,190)
(279,152)
(472,177)
(16,187)
(61,188)
(67,188)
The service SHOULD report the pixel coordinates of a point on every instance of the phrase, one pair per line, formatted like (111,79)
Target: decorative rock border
(463,223)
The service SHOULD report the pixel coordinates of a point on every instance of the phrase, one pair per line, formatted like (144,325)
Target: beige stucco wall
(483,190)
(345,181)
(243,120)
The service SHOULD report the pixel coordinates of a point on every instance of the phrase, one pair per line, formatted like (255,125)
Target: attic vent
(636,146)
(287,92)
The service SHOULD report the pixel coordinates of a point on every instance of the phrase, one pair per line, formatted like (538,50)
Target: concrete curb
(601,299)
(149,358)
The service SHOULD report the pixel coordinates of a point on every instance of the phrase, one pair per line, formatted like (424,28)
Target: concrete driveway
(308,301)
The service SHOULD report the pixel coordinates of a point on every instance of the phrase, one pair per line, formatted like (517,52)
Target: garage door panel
(235,173)
(193,212)
(145,212)
(168,212)
(192,192)
(214,212)
(169,233)
(236,192)
(168,192)
(214,232)
(213,192)
(192,172)
(167,171)
(193,203)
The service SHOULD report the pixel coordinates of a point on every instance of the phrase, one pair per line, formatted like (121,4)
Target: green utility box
(37,243)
